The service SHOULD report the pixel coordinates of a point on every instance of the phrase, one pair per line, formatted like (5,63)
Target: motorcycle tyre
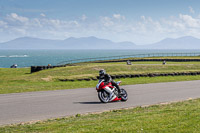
(125,93)
(100,95)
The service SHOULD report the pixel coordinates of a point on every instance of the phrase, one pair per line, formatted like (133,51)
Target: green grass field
(21,80)
(181,117)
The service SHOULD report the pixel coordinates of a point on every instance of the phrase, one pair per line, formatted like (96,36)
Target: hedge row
(137,76)
(39,68)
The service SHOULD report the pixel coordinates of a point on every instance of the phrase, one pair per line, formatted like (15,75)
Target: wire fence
(126,56)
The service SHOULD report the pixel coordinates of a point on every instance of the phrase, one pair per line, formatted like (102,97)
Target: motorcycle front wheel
(103,96)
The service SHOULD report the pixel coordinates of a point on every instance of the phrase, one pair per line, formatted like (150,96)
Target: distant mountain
(29,43)
(70,43)
(187,42)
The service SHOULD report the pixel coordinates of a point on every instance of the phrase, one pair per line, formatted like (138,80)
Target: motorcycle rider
(107,79)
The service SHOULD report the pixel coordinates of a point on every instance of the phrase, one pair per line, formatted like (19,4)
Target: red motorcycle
(108,93)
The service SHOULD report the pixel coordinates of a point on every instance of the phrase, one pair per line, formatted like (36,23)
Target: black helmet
(102,72)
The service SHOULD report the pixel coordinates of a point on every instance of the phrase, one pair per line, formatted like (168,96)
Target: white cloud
(112,22)
(36,23)
(190,21)
(143,18)
(191,10)
(19,31)
(107,21)
(3,24)
(75,23)
(15,17)
(43,15)
(118,16)
(83,17)
(175,25)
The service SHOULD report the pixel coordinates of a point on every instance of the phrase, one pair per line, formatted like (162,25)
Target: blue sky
(138,21)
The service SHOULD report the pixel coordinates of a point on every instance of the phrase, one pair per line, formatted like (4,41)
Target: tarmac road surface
(34,106)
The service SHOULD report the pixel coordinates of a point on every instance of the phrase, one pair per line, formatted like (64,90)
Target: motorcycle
(105,97)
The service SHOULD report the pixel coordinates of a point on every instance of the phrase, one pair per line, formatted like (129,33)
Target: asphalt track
(34,106)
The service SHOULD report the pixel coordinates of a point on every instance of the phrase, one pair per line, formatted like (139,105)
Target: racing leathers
(107,79)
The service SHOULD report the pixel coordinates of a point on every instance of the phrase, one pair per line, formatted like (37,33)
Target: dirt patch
(47,79)
(97,68)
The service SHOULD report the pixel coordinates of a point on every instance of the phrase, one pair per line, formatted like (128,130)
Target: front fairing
(98,86)
(102,85)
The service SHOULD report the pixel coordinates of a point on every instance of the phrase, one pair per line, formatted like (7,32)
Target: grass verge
(27,86)
(176,117)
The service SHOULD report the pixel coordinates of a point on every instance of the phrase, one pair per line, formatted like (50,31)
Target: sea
(27,58)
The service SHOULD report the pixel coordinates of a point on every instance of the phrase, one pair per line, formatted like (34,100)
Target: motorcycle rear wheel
(103,96)
(124,95)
